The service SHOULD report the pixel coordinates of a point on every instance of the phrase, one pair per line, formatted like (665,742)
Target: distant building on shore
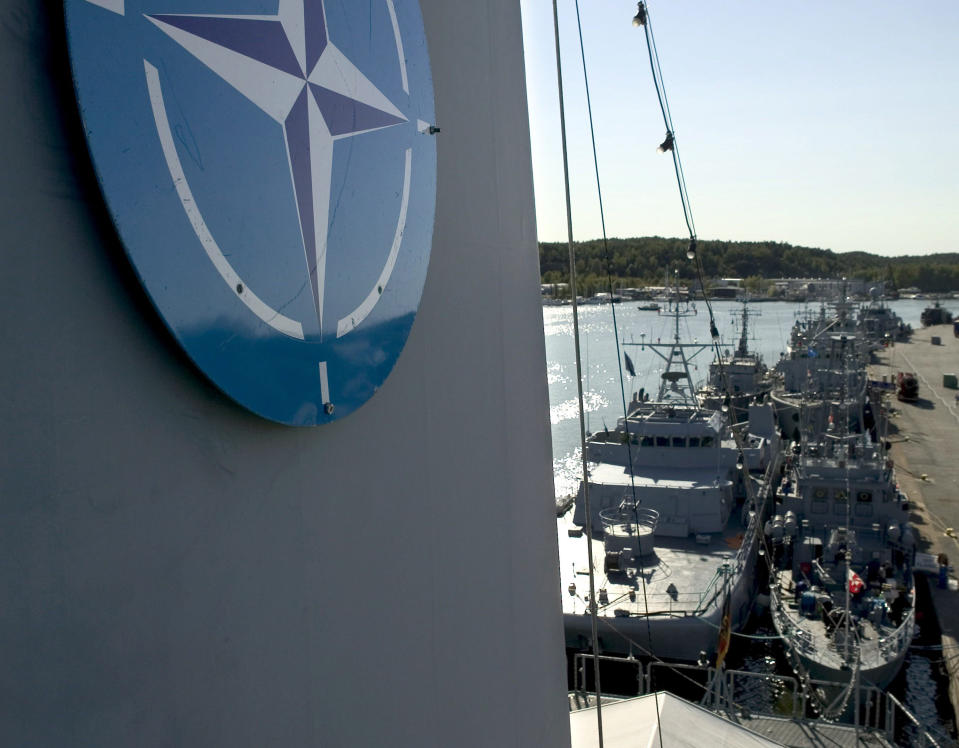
(726,288)
(826,289)
(554,290)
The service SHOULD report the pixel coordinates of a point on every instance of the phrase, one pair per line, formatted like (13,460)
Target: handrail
(889,646)
(701,606)
(871,698)
(684,598)
(582,659)
(900,638)
(787,680)
(631,516)
(732,567)
(653,666)
(893,706)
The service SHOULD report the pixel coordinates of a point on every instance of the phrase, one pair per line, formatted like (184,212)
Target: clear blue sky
(824,123)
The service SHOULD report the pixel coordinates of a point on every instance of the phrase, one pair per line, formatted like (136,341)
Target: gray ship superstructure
(737,378)
(820,375)
(673,533)
(881,325)
(841,584)
(840,546)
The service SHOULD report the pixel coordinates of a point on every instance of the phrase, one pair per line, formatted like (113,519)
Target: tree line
(642,261)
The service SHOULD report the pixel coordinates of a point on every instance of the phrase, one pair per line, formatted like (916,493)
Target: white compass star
(288,67)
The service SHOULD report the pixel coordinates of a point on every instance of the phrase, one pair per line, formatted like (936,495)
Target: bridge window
(694,441)
(679,441)
(662,441)
(647,441)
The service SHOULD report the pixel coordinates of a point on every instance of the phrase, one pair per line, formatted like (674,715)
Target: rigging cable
(579,385)
(642,19)
(670,144)
(609,262)
(619,363)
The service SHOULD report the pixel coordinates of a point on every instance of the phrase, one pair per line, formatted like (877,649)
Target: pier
(924,437)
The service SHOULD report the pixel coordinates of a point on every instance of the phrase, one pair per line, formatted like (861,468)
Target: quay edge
(922,436)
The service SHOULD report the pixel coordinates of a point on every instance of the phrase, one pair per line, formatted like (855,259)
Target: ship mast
(743,349)
(676,383)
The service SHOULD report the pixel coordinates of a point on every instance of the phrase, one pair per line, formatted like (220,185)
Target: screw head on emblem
(270,171)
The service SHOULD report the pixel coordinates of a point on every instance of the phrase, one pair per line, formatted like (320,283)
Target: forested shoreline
(643,260)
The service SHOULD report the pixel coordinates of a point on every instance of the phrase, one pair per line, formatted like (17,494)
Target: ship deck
(881,647)
(923,434)
(688,565)
(617,476)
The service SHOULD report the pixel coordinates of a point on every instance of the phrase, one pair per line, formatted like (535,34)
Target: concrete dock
(924,438)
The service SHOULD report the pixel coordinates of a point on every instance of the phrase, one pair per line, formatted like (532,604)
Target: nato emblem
(270,167)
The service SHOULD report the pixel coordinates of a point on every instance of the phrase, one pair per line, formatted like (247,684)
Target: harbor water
(920,684)
(769,326)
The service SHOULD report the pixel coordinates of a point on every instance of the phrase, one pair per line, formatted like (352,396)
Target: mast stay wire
(670,142)
(830,711)
(657,74)
(609,265)
(642,19)
(619,364)
(579,385)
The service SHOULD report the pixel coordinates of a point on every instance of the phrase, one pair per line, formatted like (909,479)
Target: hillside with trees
(644,260)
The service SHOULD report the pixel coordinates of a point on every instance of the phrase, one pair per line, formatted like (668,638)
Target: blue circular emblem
(271,170)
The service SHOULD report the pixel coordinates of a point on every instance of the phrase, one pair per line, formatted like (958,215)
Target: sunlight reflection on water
(555,374)
(567,471)
(770,328)
(568,409)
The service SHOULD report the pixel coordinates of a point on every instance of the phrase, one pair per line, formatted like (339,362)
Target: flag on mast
(725,634)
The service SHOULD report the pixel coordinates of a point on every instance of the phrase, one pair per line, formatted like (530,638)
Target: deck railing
(871,708)
(891,646)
